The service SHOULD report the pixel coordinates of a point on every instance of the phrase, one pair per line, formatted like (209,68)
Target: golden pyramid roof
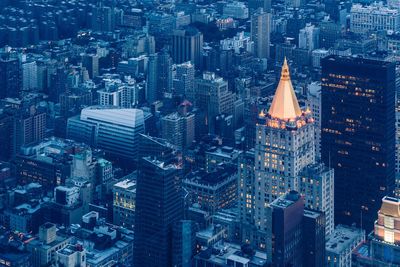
(285,105)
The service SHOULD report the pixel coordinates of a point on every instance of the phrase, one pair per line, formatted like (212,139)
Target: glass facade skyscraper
(358,134)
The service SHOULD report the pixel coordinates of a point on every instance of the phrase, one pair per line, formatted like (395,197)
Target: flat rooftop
(126,184)
(343,237)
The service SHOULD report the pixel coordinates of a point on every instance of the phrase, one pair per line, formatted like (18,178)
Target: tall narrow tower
(284,146)
(260,33)
(285,143)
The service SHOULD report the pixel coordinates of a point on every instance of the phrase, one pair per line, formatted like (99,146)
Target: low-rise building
(218,155)
(223,254)
(213,190)
(340,245)
(124,200)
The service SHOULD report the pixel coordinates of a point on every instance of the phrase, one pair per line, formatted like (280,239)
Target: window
(389,236)
(388,222)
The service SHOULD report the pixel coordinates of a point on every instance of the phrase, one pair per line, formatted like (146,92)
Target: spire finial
(285,71)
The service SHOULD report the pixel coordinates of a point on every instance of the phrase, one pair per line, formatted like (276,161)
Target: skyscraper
(184,81)
(10,77)
(159,76)
(284,146)
(214,98)
(151,83)
(317,188)
(358,134)
(260,33)
(164,73)
(29,75)
(178,129)
(159,206)
(298,233)
(287,220)
(285,142)
(309,37)
(187,45)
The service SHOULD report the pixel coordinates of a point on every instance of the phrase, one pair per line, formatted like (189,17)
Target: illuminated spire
(285,105)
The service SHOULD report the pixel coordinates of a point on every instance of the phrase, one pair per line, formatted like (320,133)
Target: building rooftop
(70,249)
(224,151)
(126,184)
(129,117)
(163,165)
(311,213)
(220,176)
(222,252)
(343,237)
(286,200)
(390,207)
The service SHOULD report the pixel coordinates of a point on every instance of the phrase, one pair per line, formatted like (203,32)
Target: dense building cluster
(199,133)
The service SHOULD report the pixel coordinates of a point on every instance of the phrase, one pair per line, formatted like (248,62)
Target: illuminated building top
(285,105)
(387,227)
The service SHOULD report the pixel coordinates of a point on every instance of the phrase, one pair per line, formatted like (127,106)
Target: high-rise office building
(164,73)
(112,129)
(102,18)
(178,128)
(313,103)
(159,206)
(329,33)
(29,128)
(159,76)
(316,185)
(260,33)
(280,136)
(283,160)
(6,138)
(246,188)
(91,63)
(10,77)
(397,189)
(184,81)
(214,98)
(29,75)
(314,237)
(58,84)
(298,233)
(161,26)
(151,82)
(358,134)
(287,236)
(187,45)
(309,37)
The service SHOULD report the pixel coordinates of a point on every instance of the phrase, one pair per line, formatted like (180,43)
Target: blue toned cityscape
(200,133)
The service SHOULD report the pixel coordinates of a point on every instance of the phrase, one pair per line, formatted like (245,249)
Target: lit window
(389,236)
